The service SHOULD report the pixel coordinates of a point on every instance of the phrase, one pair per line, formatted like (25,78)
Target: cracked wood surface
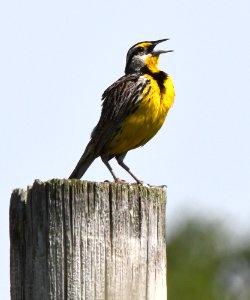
(73,240)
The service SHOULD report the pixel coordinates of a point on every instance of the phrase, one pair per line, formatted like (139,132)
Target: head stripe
(143,44)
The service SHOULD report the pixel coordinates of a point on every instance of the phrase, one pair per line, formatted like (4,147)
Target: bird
(134,108)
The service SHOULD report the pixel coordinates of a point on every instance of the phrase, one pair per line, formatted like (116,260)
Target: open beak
(158,52)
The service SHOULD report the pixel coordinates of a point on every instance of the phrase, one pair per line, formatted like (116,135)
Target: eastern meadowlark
(134,109)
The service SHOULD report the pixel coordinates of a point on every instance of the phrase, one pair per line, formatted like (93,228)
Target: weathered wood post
(73,240)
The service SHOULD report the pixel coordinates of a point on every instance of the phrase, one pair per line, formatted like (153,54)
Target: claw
(158,186)
(118,180)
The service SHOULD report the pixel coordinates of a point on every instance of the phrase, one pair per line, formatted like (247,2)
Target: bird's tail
(85,161)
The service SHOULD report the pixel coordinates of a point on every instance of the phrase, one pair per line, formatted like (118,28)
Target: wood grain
(85,240)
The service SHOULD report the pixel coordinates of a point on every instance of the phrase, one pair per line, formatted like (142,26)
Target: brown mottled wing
(119,100)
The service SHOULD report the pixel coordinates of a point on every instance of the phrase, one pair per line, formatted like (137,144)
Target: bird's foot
(139,182)
(158,186)
(118,180)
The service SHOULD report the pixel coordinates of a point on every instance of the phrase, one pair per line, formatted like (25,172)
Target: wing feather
(119,100)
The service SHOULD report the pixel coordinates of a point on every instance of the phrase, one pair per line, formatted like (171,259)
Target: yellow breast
(139,127)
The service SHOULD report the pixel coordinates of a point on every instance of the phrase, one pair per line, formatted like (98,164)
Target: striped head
(142,57)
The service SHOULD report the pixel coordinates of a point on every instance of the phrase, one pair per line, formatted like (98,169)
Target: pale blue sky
(56,59)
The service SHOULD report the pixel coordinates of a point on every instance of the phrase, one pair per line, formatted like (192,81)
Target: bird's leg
(106,162)
(120,159)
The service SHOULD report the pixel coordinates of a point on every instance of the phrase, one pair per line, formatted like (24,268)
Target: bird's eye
(139,50)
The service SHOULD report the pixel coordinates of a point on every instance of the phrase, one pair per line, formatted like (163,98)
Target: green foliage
(203,264)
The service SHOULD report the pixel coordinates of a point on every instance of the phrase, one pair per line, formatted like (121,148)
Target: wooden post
(73,240)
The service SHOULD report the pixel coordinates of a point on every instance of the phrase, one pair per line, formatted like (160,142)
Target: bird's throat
(152,63)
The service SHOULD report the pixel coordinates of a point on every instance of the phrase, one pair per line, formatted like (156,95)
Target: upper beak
(158,52)
(159,41)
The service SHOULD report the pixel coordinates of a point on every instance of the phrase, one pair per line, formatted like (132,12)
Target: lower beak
(158,52)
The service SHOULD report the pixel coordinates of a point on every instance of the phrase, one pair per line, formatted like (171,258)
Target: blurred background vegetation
(207,262)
